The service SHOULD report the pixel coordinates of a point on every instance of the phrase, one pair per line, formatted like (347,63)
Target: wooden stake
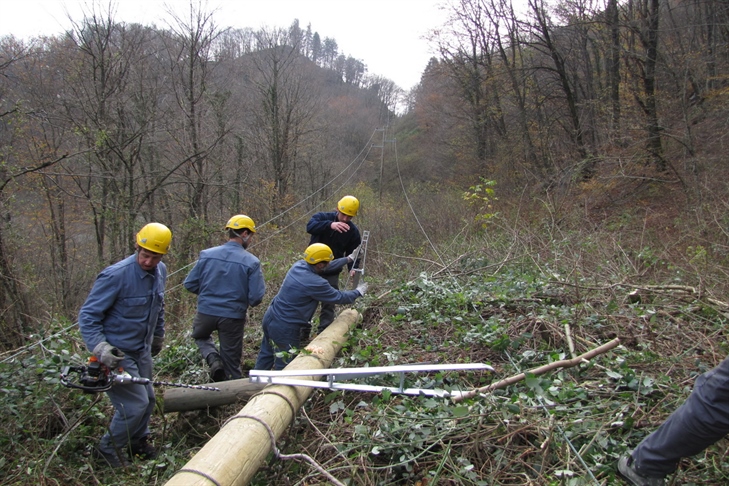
(565,363)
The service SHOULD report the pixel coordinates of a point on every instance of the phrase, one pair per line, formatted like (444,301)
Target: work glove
(362,288)
(108,354)
(355,253)
(157,344)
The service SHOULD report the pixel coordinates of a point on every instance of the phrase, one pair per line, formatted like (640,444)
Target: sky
(387,35)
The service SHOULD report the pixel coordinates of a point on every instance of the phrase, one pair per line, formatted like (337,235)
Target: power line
(365,150)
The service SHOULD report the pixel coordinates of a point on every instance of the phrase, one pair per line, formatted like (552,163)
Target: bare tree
(468,52)
(542,32)
(190,50)
(100,54)
(643,57)
(284,105)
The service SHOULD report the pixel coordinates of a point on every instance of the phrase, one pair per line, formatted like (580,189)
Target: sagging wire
(28,347)
(361,155)
(366,148)
(412,210)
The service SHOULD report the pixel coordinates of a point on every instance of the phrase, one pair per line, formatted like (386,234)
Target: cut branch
(565,363)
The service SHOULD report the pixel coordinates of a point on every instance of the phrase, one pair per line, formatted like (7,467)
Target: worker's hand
(362,288)
(108,354)
(340,227)
(157,344)
(353,256)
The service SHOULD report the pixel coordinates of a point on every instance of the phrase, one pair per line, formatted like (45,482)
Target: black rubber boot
(143,449)
(304,336)
(217,373)
(111,459)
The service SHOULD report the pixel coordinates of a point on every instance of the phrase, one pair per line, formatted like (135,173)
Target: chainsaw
(96,377)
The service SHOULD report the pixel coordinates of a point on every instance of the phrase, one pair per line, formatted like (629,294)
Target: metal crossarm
(334,376)
(360,257)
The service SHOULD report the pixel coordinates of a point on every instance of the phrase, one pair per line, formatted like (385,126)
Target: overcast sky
(387,35)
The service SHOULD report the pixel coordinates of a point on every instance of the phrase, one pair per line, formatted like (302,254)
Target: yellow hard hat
(241,221)
(155,237)
(348,205)
(318,252)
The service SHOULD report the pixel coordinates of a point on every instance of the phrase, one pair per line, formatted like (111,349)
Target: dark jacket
(342,244)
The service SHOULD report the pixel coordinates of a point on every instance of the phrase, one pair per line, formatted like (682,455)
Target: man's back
(227,279)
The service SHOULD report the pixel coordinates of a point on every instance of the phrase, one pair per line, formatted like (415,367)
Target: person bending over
(294,305)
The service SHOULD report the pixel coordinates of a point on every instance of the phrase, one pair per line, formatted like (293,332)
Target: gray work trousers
(230,336)
(702,420)
(133,407)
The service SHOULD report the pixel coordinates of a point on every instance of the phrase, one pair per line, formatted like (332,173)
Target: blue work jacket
(227,280)
(125,307)
(301,292)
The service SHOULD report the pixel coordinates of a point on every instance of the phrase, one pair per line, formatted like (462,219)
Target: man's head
(318,255)
(153,242)
(241,227)
(347,208)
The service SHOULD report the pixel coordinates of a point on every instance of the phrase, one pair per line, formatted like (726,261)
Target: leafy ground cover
(510,297)
(568,427)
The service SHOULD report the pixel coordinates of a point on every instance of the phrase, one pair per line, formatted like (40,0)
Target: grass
(513,295)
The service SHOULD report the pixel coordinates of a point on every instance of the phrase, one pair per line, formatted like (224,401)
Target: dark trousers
(230,335)
(702,420)
(278,340)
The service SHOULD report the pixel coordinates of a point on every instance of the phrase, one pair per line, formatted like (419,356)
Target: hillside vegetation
(556,181)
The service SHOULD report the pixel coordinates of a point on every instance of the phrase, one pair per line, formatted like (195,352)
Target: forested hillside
(562,163)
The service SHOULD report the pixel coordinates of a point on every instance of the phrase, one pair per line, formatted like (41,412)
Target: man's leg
(285,337)
(265,358)
(202,328)
(133,406)
(702,420)
(230,334)
(140,442)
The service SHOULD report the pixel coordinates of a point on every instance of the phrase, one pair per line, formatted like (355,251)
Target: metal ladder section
(333,377)
(361,255)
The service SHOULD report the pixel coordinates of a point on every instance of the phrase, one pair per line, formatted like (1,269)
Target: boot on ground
(215,364)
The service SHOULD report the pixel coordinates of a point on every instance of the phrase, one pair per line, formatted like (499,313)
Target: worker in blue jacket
(336,230)
(294,305)
(227,280)
(122,323)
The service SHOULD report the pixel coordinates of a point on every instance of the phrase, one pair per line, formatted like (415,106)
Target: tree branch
(565,363)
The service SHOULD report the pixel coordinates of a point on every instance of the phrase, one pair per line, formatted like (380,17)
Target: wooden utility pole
(235,453)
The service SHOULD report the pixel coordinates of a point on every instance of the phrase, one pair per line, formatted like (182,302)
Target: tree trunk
(185,399)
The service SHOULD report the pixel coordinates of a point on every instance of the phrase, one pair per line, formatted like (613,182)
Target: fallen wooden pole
(232,391)
(565,363)
(237,451)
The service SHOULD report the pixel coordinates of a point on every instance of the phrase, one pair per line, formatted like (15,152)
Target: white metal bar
(373,370)
(357,387)
(283,377)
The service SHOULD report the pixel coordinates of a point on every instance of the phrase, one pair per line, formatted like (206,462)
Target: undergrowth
(511,297)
